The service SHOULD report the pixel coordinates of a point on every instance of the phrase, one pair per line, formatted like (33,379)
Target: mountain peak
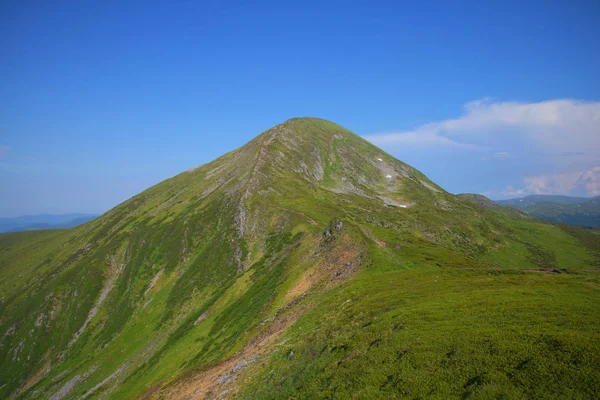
(307,229)
(330,156)
(307,127)
(306,119)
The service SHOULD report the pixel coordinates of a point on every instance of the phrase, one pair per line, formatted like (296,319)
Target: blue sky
(100,100)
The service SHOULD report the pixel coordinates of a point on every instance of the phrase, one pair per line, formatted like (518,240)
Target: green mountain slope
(306,264)
(478,199)
(492,206)
(568,210)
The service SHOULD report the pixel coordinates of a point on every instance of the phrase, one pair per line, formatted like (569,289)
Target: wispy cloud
(3,151)
(418,139)
(583,183)
(556,125)
(502,155)
(510,191)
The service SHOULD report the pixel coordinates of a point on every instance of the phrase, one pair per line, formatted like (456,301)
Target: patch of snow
(392,203)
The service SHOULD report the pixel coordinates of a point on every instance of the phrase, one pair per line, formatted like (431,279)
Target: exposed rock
(114,270)
(237,258)
(386,169)
(112,376)
(430,187)
(67,387)
(18,350)
(392,203)
(334,227)
(11,331)
(40,320)
(154,280)
(201,318)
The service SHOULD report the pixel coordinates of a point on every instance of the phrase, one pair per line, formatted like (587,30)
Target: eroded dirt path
(219,381)
(335,264)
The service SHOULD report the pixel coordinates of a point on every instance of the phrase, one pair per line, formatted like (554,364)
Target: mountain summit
(307,263)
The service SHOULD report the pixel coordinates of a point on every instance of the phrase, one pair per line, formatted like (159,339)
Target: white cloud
(418,139)
(584,183)
(510,191)
(555,125)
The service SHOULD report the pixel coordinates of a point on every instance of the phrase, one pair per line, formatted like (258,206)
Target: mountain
(542,198)
(478,199)
(568,210)
(43,221)
(306,264)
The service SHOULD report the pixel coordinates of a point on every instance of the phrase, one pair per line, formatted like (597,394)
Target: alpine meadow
(306,264)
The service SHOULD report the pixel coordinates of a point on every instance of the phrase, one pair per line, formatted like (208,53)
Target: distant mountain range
(580,211)
(43,221)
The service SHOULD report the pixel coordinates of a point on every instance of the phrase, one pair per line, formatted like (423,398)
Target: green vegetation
(443,333)
(305,264)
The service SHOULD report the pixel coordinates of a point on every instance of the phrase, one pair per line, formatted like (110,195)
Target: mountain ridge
(582,211)
(549,198)
(286,266)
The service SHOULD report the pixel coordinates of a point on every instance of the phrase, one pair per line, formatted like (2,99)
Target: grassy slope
(442,333)
(444,301)
(445,328)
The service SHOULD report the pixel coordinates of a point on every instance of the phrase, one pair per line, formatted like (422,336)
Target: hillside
(568,210)
(491,206)
(306,264)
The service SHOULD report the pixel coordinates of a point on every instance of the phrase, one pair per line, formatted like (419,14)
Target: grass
(438,333)
(440,300)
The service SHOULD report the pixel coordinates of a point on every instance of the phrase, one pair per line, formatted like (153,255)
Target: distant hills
(43,221)
(478,199)
(580,211)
